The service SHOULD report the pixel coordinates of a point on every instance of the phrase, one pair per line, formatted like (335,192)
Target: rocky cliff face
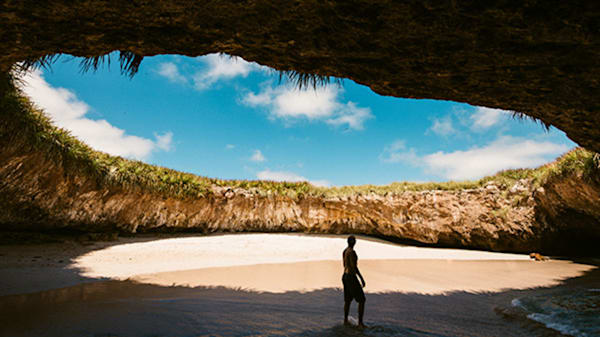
(46,184)
(39,193)
(568,208)
(541,58)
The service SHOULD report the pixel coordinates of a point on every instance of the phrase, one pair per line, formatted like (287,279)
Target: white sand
(124,261)
(288,262)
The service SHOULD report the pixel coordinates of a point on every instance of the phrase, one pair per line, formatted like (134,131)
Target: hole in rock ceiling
(223,117)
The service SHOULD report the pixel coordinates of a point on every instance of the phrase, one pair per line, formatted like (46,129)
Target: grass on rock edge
(23,123)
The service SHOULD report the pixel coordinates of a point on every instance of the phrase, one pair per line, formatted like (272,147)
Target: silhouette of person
(352,289)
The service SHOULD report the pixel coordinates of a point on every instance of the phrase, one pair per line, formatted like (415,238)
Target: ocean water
(572,312)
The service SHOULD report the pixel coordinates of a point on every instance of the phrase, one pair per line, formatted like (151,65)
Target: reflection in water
(126,308)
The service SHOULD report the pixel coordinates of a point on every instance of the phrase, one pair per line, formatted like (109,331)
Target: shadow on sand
(126,308)
(23,255)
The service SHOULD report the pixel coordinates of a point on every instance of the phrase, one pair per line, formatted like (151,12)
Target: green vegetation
(21,123)
(576,161)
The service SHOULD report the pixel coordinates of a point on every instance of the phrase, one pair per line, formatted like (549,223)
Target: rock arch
(539,58)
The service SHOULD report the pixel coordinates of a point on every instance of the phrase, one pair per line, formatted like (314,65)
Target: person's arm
(364,284)
(358,271)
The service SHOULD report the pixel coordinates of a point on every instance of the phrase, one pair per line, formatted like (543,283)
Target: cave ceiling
(538,58)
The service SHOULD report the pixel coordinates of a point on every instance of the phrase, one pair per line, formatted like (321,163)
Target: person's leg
(361,312)
(347,297)
(346,311)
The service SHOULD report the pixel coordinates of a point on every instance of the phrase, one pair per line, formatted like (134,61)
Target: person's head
(351,241)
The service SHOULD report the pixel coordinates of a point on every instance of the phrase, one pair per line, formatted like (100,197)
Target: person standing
(352,289)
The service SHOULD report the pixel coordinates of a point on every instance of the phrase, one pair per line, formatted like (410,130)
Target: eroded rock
(540,58)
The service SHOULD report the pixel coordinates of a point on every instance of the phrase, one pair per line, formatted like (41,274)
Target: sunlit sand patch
(408,276)
(123,261)
(286,262)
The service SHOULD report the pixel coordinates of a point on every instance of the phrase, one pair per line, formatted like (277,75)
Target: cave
(537,59)
(96,244)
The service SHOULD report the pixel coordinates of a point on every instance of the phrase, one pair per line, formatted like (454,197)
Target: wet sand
(269,285)
(407,276)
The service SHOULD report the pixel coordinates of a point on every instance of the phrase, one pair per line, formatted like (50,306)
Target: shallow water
(125,308)
(573,312)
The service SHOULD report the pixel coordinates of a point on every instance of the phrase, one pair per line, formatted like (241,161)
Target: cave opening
(218,144)
(222,117)
(266,157)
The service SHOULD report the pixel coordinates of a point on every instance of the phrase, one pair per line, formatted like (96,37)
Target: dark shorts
(352,289)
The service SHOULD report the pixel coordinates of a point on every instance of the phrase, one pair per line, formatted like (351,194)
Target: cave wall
(541,58)
(40,193)
(567,208)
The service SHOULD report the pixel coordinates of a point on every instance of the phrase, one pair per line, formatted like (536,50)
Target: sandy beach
(270,284)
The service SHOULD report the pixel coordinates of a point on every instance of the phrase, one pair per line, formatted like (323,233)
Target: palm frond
(93,63)
(522,116)
(45,62)
(305,80)
(130,63)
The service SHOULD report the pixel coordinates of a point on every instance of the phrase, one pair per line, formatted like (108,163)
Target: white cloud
(352,115)
(68,112)
(506,152)
(288,176)
(398,153)
(229,147)
(257,156)
(312,104)
(215,68)
(484,118)
(171,72)
(219,67)
(443,127)
(263,98)
(164,141)
(290,103)
(480,119)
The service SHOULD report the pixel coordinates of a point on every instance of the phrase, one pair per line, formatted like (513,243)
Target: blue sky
(223,117)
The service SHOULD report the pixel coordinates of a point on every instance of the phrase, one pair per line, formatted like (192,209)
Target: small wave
(549,322)
(573,312)
(517,303)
